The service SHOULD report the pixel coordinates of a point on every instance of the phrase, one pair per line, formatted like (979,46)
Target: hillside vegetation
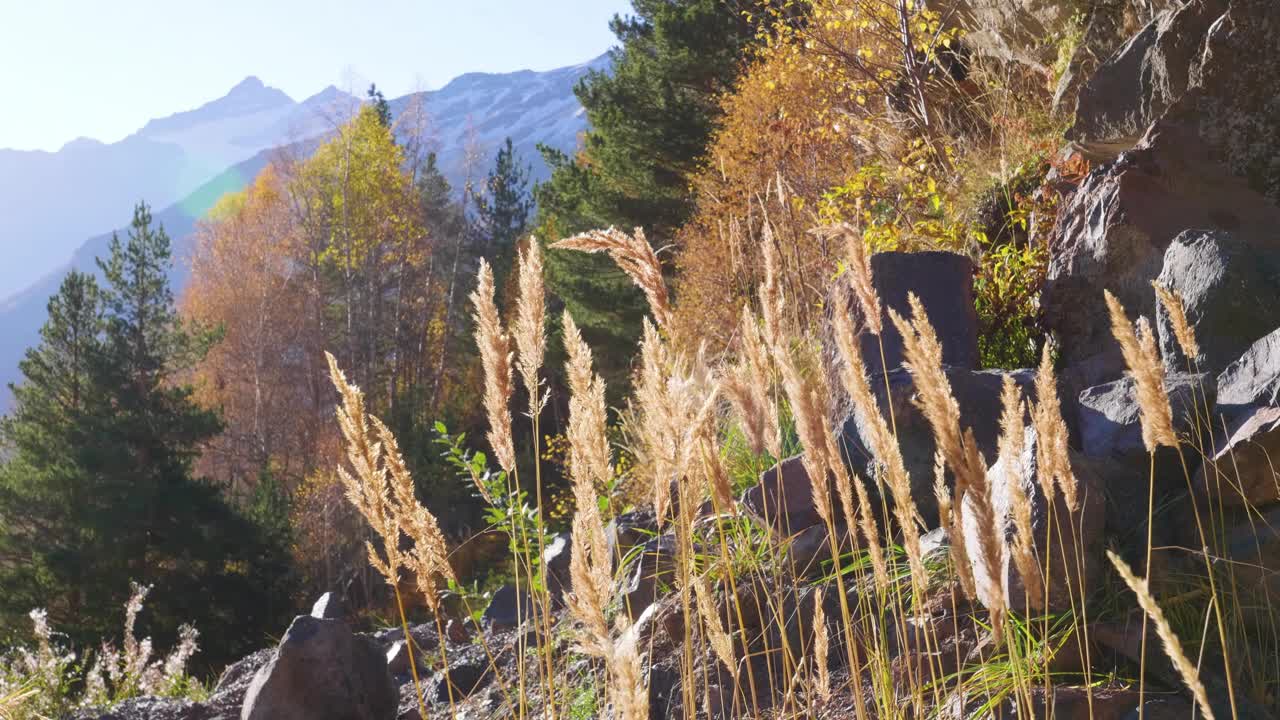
(868,359)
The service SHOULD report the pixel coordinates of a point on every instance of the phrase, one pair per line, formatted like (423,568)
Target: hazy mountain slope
(54,200)
(531,107)
(22,315)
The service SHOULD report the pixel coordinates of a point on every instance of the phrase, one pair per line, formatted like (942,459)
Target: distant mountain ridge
(477,110)
(55,200)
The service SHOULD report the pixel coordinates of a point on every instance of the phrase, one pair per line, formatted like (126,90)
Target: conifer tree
(98,489)
(503,208)
(380,105)
(651,117)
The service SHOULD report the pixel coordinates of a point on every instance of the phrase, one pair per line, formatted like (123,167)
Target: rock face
(653,569)
(1209,161)
(555,561)
(322,671)
(1231,291)
(329,606)
(508,608)
(783,498)
(1071,554)
(976,392)
(1109,416)
(628,531)
(1134,87)
(944,283)
(1246,444)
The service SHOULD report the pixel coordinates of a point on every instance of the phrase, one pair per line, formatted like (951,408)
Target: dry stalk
(1139,350)
(530,324)
(636,257)
(495,358)
(1172,646)
(1182,329)
(821,648)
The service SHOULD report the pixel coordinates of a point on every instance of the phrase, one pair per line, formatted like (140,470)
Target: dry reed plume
(747,385)
(1012,443)
(1052,459)
(496,359)
(821,648)
(858,270)
(1172,646)
(530,324)
(883,443)
(721,642)
(636,257)
(675,397)
(589,463)
(383,491)
(1140,355)
(959,448)
(1182,329)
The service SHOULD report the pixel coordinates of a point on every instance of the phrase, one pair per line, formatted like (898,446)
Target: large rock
(1134,87)
(1211,161)
(322,671)
(1070,554)
(1241,467)
(628,531)
(976,392)
(944,283)
(329,606)
(650,575)
(1110,420)
(783,498)
(1231,291)
(508,608)
(1253,548)
(556,556)
(1253,379)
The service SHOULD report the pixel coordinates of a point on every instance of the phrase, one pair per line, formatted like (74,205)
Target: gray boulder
(322,671)
(783,498)
(649,575)
(1253,379)
(1110,420)
(508,608)
(944,283)
(1231,291)
(977,392)
(329,606)
(556,556)
(1133,88)
(1210,161)
(1241,464)
(628,531)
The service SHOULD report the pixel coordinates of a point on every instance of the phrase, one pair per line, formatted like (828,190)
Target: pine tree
(99,488)
(380,105)
(50,438)
(651,117)
(503,209)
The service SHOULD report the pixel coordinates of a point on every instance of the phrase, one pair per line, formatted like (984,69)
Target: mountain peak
(250,84)
(250,95)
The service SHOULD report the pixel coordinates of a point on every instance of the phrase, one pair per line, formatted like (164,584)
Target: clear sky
(72,68)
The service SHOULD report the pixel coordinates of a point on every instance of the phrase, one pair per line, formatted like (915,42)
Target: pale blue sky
(71,68)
